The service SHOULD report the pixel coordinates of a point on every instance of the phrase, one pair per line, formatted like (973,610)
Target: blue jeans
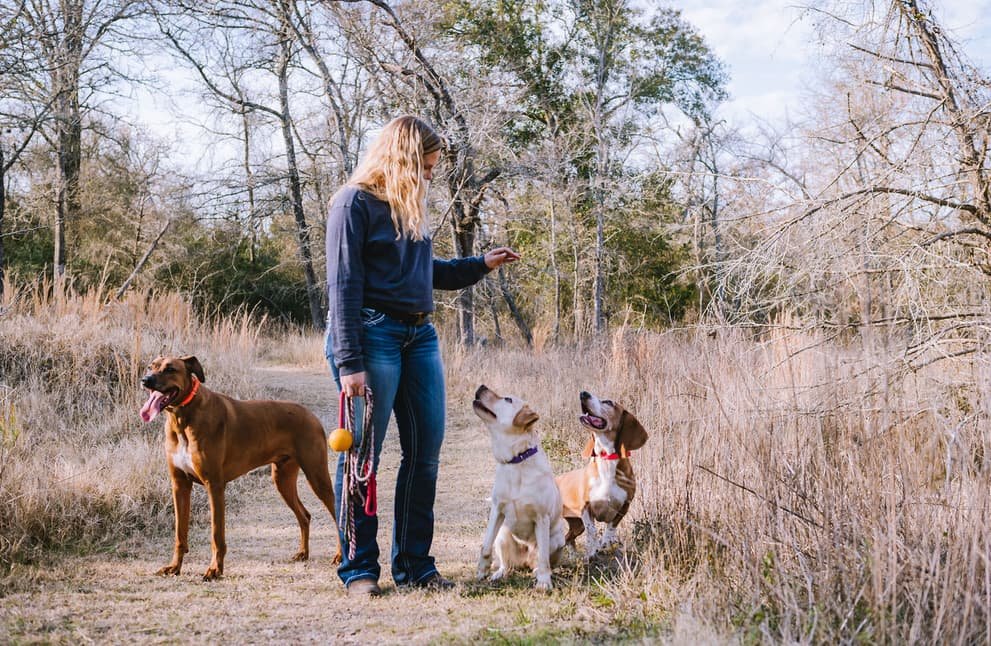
(404,370)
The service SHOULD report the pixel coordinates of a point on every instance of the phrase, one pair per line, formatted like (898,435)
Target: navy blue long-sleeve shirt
(369,266)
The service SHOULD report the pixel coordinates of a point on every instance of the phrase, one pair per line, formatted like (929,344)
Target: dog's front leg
(485,556)
(215,492)
(591,535)
(609,538)
(181,488)
(543,569)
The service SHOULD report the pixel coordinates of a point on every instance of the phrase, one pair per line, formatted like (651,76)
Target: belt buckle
(419,318)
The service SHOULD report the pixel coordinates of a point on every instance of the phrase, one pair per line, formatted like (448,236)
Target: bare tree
(466,183)
(884,223)
(3,203)
(605,17)
(21,117)
(701,165)
(65,45)
(269,23)
(345,111)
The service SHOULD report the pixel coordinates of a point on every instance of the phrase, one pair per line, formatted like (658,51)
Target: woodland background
(583,133)
(800,309)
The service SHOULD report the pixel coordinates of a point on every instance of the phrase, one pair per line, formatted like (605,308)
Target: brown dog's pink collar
(192,392)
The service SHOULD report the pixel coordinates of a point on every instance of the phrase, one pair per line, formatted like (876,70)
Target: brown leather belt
(409,318)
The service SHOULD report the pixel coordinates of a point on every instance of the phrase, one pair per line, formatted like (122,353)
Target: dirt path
(115,598)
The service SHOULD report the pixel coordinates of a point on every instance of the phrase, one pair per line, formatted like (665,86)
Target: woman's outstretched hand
(499,256)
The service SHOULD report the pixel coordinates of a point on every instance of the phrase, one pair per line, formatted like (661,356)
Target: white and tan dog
(525,522)
(603,489)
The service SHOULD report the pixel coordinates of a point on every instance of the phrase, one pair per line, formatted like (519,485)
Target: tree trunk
(464,243)
(604,42)
(971,155)
(717,237)
(495,316)
(68,128)
(249,179)
(3,204)
(556,272)
(599,278)
(514,310)
(295,191)
(577,305)
(69,136)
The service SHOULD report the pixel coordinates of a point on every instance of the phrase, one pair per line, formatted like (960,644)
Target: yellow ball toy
(340,440)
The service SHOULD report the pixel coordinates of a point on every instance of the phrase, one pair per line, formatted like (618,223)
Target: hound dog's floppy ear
(193,366)
(589,448)
(632,435)
(525,417)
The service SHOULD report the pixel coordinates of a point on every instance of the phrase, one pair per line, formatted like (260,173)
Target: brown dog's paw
(212,573)
(338,557)
(301,556)
(169,570)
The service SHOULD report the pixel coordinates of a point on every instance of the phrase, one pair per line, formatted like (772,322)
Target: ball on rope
(340,440)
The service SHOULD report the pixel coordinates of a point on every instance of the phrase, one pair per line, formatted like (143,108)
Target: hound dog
(602,490)
(525,524)
(211,439)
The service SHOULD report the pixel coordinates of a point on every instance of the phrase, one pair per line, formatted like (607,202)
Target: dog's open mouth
(481,409)
(156,402)
(593,421)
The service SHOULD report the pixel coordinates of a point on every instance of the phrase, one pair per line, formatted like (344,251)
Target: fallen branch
(768,501)
(144,259)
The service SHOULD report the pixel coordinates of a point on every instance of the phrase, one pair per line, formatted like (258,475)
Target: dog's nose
(480,390)
(148,381)
(585,395)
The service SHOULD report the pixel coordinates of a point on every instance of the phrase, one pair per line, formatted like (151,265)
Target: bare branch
(201,70)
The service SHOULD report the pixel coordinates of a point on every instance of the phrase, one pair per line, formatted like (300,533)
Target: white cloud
(765,46)
(771,47)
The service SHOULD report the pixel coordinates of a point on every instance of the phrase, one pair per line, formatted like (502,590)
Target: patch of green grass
(533,635)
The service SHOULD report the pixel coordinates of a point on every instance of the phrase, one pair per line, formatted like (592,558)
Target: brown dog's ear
(525,417)
(193,366)
(589,448)
(632,435)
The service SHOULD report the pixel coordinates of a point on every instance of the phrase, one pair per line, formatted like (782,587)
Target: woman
(380,277)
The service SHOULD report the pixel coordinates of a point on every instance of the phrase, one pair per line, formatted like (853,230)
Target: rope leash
(359,471)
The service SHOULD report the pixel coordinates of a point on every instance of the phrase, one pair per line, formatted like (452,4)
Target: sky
(770,46)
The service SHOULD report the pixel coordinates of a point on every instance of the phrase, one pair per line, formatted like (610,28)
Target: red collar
(613,456)
(192,393)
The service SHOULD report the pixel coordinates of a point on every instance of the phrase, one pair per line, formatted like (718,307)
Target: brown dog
(211,439)
(602,490)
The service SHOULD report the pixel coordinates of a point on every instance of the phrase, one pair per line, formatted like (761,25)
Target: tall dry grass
(78,469)
(795,488)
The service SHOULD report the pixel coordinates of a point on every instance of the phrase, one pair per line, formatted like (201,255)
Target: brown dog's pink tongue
(152,407)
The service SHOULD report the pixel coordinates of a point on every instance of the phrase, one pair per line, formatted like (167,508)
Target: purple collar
(530,452)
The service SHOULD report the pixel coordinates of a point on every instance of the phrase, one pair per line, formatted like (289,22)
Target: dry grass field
(794,489)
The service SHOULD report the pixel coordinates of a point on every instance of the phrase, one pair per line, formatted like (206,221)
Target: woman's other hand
(353,385)
(499,256)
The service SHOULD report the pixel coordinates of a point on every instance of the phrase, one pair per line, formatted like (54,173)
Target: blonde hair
(392,171)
